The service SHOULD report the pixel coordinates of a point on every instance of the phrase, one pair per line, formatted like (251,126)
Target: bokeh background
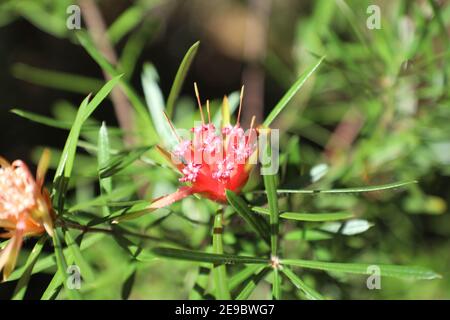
(377,110)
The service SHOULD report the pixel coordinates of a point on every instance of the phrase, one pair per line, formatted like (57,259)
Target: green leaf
(56,79)
(180,77)
(80,261)
(412,272)
(351,190)
(64,170)
(276,284)
(62,267)
(290,93)
(42,119)
(317,217)
(155,103)
(243,275)
(272,198)
(104,199)
(307,235)
(307,290)
(121,161)
(219,271)
(59,278)
(197,256)
(128,20)
(49,261)
(200,287)
(251,284)
(22,284)
(241,207)
(134,98)
(103,156)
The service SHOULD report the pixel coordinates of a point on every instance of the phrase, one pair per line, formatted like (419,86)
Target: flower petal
(4,163)
(9,255)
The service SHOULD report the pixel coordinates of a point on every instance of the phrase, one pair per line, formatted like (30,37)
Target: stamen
(252,123)
(240,105)
(171,126)
(207,109)
(199,102)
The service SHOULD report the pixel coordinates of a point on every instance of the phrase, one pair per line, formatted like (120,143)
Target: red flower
(25,208)
(212,161)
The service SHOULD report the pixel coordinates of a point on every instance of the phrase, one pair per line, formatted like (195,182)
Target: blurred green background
(377,111)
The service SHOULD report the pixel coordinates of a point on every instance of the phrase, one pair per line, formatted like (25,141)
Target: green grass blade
(134,98)
(241,207)
(62,267)
(351,190)
(54,287)
(41,119)
(219,271)
(80,261)
(243,275)
(272,198)
(290,93)
(103,200)
(411,272)
(22,284)
(307,290)
(200,287)
(197,256)
(49,261)
(103,156)
(56,79)
(276,284)
(64,170)
(180,77)
(251,284)
(128,20)
(119,162)
(315,217)
(155,104)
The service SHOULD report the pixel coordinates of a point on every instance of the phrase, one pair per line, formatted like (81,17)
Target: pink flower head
(213,161)
(25,208)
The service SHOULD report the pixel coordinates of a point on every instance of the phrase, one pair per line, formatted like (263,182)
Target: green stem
(219,271)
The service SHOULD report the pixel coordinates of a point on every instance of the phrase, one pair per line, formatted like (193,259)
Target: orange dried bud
(25,208)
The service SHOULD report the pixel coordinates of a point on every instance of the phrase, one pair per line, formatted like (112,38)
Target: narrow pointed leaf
(307,290)
(180,77)
(251,284)
(219,271)
(276,284)
(272,198)
(351,190)
(412,272)
(290,93)
(197,256)
(241,207)
(22,284)
(308,216)
(243,275)
(121,161)
(155,104)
